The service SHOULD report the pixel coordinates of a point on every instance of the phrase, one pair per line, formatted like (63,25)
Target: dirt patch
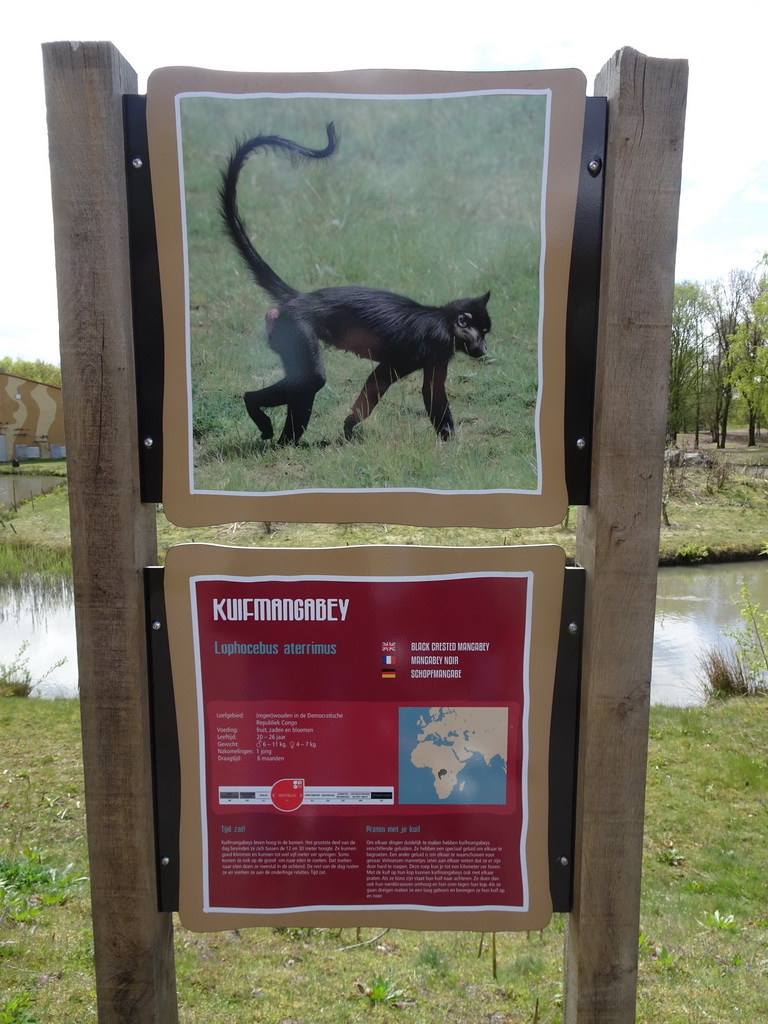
(734,440)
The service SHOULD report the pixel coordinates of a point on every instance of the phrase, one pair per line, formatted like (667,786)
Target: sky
(724,202)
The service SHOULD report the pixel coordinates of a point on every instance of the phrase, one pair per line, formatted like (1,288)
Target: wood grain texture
(113,534)
(617,539)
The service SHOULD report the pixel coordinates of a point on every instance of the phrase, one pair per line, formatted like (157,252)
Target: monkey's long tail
(265,276)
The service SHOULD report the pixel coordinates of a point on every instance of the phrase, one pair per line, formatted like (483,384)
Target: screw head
(148,442)
(581,442)
(157,625)
(563,862)
(165,861)
(595,166)
(573,627)
(137,163)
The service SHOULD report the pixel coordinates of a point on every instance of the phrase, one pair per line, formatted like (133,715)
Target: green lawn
(437,199)
(703,945)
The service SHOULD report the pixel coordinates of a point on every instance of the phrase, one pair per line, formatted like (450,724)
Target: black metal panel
(146,298)
(563,742)
(165,744)
(583,303)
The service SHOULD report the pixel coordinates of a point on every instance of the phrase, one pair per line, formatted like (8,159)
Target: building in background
(31,420)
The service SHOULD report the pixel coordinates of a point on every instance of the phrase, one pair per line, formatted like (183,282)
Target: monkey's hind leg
(377,384)
(253,402)
(302,361)
(298,396)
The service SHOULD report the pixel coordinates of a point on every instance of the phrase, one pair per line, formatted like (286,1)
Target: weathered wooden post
(113,534)
(618,533)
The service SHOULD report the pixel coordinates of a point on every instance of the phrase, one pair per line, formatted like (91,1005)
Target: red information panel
(362,742)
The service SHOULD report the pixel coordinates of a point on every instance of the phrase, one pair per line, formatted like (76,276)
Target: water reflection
(41,614)
(21,487)
(694,606)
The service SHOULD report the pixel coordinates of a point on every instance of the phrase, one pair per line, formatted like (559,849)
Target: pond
(694,606)
(16,487)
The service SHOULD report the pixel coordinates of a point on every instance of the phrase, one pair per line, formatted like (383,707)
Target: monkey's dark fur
(395,332)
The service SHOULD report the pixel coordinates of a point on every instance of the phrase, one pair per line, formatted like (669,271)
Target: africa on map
(455,755)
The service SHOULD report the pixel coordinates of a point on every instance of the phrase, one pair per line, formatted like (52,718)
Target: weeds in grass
(16,1010)
(382,992)
(718,922)
(664,957)
(27,885)
(435,960)
(653,951)
(671,856)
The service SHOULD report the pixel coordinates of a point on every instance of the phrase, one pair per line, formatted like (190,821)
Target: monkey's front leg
(436,400)
(377,384)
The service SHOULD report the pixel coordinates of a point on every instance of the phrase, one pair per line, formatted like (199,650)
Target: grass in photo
(436,199)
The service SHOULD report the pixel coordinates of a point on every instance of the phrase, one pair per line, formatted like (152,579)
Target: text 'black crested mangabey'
(398,334)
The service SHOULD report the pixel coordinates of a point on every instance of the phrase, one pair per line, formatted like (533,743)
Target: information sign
(364,288)
(364,734)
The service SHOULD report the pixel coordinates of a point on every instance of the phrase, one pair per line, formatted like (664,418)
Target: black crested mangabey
(398,334)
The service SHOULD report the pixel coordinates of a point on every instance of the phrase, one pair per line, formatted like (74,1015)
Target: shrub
(692,553)
(752,639)
(723,674)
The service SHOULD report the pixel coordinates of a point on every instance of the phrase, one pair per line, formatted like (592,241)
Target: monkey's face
(470,326)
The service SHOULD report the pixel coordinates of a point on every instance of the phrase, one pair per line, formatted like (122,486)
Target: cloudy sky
(724,205)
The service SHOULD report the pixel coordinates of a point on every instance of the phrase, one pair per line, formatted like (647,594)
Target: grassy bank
(713,514)
(703,944)
(36,467)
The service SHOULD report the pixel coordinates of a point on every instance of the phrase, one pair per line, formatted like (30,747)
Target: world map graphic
(454,755)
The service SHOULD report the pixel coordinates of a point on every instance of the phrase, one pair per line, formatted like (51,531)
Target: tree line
(32,369)
(719,359)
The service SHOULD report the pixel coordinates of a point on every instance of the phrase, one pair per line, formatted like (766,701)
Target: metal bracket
(164,740)
(146,298)
(563,741)
(583,304)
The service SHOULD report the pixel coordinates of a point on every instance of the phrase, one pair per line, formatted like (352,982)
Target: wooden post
(113,534)
(617,539)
